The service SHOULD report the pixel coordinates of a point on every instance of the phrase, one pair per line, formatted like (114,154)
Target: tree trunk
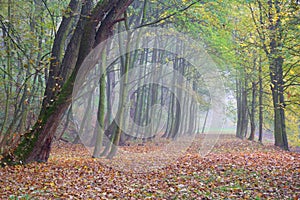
(279,104)
(276,74)
(52,84)
(253,106)
(205,119)
(99,131)
(242,114)
(260,129)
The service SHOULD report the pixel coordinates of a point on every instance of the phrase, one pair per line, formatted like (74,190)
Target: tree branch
(167,17)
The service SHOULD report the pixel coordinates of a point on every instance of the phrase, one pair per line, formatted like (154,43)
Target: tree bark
(52,84)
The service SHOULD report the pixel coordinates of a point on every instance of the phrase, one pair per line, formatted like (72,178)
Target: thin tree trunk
(205,120)
(8,65)
(260,129)
(99,131)
(253,106)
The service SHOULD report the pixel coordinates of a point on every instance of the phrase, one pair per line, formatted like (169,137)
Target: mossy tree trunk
(53,80)
(99,131)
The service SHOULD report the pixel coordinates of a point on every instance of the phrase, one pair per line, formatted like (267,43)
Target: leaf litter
(234,169)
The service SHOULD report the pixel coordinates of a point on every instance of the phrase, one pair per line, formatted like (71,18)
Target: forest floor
(234,169)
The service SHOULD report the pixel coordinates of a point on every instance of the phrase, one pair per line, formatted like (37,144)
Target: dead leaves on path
(235,169)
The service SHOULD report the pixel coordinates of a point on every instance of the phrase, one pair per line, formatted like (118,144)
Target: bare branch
(168,16)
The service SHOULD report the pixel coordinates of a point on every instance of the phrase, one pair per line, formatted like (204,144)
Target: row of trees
(259,59)
(273,48)
(257,43)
